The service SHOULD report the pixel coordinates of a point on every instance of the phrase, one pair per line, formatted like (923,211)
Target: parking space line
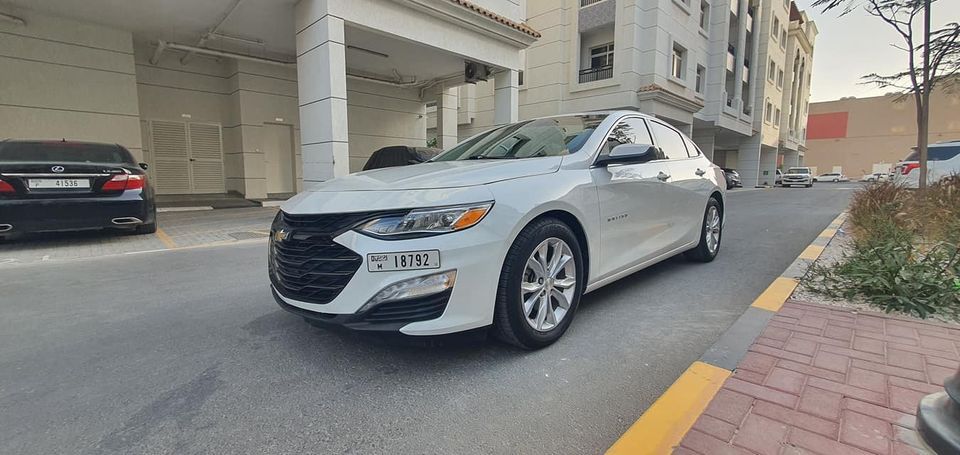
(663,425)
(165,239)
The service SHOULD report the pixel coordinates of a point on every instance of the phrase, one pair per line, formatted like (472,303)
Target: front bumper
(475,253)
(67,214)
(796,181)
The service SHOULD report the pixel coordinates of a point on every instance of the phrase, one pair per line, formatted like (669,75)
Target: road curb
(662,426)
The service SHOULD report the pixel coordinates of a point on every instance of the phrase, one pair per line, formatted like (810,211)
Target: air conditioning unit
(474,72)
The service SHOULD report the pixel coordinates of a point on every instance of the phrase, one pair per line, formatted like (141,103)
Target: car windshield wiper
(486,157)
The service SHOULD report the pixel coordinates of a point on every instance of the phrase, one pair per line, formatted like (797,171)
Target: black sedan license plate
(408,260)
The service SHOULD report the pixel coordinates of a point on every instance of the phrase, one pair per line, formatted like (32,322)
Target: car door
(687,188)
(633,216)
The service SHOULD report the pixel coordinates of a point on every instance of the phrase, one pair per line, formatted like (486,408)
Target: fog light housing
(412,288)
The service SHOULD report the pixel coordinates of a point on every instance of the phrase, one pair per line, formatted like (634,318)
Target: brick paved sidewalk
(828,381)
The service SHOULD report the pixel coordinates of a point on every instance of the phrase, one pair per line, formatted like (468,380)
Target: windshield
(798,170)
(64,152)
(529,139)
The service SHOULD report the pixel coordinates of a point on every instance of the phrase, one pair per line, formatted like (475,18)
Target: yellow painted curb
(812,252)
(165,239)
(661,428)
(776,294)
(828,233)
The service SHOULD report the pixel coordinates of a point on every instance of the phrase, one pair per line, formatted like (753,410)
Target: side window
(669,140)
(942,153)
(628,131)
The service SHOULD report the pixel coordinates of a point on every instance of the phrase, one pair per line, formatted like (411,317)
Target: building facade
(260,98)
(859,136)
(714,69)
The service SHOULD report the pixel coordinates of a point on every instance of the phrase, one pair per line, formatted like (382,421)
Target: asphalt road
(186,352)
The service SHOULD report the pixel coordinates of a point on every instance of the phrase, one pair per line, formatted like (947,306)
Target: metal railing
(596,74)
(589,2)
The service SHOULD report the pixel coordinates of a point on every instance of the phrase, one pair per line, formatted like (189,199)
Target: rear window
(936,153)
(64,152)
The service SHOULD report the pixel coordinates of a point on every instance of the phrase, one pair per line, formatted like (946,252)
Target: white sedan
(507,229)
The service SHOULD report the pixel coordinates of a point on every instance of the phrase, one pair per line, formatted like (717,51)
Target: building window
(519,77)
(771,70)
(704,14)
(783,37)
(768,112)
(601,64)
(701,78)
(678,64)
(780,78)
(776,28)
(776,118)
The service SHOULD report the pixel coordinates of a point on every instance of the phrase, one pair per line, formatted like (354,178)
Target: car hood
(441,174)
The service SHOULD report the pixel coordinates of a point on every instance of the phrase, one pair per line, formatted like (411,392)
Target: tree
(933,57)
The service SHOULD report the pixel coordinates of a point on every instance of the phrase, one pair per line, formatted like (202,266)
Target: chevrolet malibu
(507,229)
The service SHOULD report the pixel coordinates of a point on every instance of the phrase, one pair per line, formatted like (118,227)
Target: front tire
(542,280)
(710,234)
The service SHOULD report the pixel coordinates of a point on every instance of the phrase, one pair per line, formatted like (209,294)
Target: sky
(857,44)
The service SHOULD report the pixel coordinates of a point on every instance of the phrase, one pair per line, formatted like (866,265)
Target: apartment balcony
(731,58)
(596,74)
(750,20)
(584,3)
(734,7)
(746,71)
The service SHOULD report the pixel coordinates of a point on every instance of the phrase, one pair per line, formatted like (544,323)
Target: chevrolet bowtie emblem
(280,235)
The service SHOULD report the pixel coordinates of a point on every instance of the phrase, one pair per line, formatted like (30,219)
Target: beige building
(693,63)
(859,136)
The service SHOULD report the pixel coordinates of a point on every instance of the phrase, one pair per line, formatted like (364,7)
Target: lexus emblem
(57,169)
(280,235)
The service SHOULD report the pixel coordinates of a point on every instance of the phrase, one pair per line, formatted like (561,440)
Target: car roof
(56,141)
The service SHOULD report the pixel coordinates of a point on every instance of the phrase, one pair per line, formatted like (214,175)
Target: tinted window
(542,137)
(627,131)
(936,153)
(669,140)
(64,152)
(798,170)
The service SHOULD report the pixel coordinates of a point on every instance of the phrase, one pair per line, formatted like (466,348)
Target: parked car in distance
(831,177)
(399,155)
(64,185)
(508,229)
(798,176)
(778,180)
(943,160)
(733,178)
(876,177)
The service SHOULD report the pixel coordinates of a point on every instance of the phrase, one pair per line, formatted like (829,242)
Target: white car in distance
(831,177)
(797,176)
(507,229)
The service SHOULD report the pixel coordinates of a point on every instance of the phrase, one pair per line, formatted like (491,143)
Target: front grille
(307,265)
(413,310)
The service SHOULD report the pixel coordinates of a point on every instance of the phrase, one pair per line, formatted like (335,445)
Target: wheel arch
(574,223)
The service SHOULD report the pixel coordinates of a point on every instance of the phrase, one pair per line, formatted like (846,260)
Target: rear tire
(535,305)
(711,232)
(809,185)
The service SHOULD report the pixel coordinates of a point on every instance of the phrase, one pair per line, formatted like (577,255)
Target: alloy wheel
(548,284)
(712,229)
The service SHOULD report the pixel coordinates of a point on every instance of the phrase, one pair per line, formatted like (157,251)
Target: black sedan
(62,186)
(733,178)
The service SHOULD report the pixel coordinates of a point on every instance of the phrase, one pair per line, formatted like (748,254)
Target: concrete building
(255,97)
(859,136)
(710,68)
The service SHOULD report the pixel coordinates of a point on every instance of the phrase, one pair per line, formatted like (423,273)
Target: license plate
(58,183)
(409,260)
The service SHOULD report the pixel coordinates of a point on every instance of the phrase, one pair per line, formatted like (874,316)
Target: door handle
(700,172)
(663,176)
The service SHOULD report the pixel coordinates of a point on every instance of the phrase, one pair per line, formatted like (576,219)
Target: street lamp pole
(938,417)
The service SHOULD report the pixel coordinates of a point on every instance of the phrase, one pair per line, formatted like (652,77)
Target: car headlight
(426,222)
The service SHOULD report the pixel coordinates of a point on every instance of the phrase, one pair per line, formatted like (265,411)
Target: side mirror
(630,154)
(143,166)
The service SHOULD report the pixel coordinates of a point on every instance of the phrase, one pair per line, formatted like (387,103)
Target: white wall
(380,116)
(61,78)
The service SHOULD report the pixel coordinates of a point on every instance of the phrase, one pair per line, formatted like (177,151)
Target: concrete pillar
(768,166)
(741,48)
(506,97)
(447,101)
(755,64)
(705,139)
(748,161)
(322,86)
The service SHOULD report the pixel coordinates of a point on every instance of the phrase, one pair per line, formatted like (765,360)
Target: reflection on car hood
(441,174)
